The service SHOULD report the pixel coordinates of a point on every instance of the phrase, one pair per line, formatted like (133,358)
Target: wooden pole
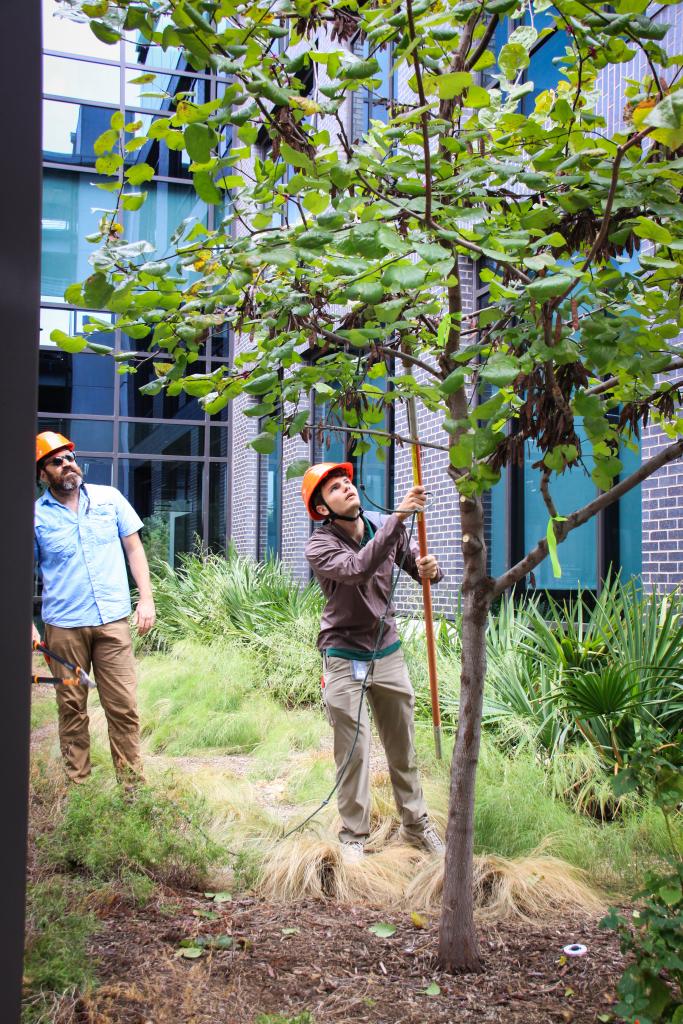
(426,584)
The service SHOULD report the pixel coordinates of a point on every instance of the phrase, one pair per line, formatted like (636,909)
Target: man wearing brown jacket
(353,555)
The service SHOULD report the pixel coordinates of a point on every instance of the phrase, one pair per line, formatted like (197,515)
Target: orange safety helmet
(317,475)
(49,442)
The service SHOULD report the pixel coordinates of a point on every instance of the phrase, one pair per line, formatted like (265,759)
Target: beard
(68,482)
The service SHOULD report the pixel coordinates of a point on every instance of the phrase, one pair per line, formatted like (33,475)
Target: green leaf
(105,142)
(108,164)
(97,291)
(552,546)
(453,84)
(142,79)
(206,188)
(382,929)
(190,952)
(547,287)
(295,158)
(262,384)
(646,228)
(476,97)
(360,69)
(199,141)
(511,59)
(453,382)
(139,173)
(403,275)
(316,202)
(500,369)
(66,342)
(670,894)
(263,443)
(432,989)
(297,468)
(443,329)
(133,200)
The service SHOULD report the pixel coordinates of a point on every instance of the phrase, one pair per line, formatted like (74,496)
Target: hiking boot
(428,840)
(352,853)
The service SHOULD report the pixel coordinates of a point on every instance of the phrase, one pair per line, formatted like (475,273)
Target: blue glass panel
(168,163)
(165,207)
(75,383)
(87,435)
(157,438)
(68,216)
(218,505)
(97,471)
(168,498)
(69,131)
(160,406)
(577,554)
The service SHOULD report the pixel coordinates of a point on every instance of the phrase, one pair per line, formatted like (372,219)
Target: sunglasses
(60,459)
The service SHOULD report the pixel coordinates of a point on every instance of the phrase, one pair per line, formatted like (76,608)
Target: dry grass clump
(530,888)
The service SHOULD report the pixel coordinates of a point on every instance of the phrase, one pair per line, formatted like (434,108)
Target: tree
(338,258)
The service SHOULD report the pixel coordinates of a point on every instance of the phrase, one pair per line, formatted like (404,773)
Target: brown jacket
(356,581)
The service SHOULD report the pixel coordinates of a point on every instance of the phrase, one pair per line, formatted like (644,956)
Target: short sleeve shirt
(80,557)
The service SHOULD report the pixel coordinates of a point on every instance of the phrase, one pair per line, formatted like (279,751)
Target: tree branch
(424,117)
(483,43)
(675,364)
(582,515)
(547,496)
(370,431)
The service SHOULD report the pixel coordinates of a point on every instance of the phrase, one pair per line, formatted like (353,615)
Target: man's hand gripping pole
(426,583)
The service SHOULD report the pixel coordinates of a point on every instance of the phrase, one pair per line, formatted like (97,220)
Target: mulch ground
(320,957)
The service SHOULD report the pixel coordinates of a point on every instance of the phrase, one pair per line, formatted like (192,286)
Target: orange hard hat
(317,475)
(49,442)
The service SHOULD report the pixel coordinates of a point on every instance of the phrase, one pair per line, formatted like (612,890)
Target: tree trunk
(458,947)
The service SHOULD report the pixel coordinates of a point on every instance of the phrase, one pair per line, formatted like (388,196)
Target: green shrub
(56,961)
(110,834)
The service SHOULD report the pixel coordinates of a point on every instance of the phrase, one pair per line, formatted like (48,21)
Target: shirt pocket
(103,524)
(56,544)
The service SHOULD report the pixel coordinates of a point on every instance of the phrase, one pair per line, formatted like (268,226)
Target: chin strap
(347,519)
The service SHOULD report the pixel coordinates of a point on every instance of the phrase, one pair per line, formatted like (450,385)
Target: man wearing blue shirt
(81,534)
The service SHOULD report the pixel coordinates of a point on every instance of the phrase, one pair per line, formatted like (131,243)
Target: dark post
(20,202)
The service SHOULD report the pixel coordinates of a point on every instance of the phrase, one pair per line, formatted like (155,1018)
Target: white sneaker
(352,852)
(428,840)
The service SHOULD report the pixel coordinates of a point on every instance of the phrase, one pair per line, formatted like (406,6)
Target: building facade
(193,479)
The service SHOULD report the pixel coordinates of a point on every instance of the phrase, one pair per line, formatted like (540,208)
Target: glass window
(97,471)
(161,213)
(70,212)
(270,502)
(87,435)
(169,163)
(156,95)
(630,516)
(82,383)
(159,407)
(79,79)
(141,51)
(218,506)
(578,553)
(168,498)
(220,442)
(62,33)
(161,439)
(69,131)
(72,321)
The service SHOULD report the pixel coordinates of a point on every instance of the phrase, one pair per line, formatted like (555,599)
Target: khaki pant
(392,700)
(107,651)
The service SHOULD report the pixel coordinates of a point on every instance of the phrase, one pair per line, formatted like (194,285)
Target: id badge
(359,671)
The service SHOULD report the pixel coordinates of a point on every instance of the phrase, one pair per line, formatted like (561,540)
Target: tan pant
(392,700)
(108,651)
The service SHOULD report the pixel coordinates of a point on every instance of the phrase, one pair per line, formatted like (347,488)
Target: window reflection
(169,163)
(87,435)
(168,498)
(162,212)
(220,442)
(69,131)
(270,502)
(69,214)
(79,79)
(218,506)
(162,439)
(159,406)
(75,383)
(60,33)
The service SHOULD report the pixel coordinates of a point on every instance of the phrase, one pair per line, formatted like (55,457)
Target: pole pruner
(81,677)
(426,584)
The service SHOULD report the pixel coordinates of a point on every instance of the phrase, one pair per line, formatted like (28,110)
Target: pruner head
(84,679)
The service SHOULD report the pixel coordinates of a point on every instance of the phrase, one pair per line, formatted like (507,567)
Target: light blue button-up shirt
(80,556)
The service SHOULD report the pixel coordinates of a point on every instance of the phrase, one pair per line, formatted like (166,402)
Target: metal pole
(20,78)
(426,584)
